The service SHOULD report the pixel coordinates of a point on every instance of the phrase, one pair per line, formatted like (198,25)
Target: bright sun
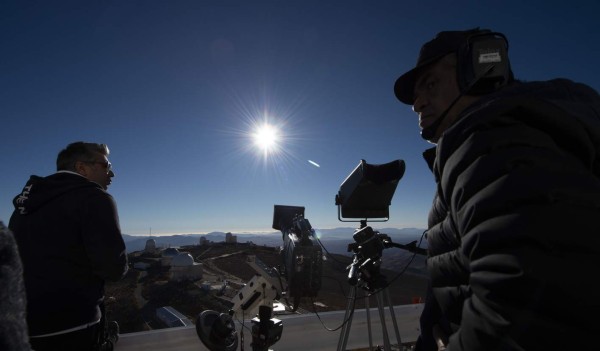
(266,137)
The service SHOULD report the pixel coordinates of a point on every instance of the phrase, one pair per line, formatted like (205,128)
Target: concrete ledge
(300,332)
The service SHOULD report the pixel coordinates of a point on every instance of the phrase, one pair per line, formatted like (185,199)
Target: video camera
(302,255)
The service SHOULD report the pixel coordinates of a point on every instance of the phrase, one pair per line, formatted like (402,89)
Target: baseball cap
(444,43)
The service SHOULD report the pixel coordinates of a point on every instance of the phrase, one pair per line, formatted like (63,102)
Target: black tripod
(366,275)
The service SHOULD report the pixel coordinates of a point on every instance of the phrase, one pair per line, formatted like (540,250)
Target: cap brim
(405,86)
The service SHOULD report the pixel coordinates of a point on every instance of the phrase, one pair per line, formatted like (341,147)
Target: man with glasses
(67,230)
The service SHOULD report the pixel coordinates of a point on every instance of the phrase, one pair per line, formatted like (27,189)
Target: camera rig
(368,249)
(217,330)
(302,267)
(302,256)
(364,195)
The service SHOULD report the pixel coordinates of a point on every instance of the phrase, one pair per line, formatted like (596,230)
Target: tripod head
(368,249)
(365,268)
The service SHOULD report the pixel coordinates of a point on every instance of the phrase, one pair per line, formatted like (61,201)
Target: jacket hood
(555,102)
(573,99)
(40,191)
(577,99)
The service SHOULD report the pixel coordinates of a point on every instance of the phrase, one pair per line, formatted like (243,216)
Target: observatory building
(203,241)
(150,246)
(230,238)
(167,255)
(183,267)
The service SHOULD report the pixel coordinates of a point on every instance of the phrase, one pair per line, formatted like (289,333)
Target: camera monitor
(283,216)
(367,192)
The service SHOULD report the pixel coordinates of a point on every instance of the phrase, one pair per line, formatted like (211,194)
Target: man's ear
(80,168)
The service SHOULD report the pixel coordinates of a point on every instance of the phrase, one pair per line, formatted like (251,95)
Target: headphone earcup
(483,66)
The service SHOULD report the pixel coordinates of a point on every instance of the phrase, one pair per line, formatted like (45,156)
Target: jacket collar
(429,156)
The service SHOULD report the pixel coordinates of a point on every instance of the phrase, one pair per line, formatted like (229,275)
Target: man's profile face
(435,89)
(98,170)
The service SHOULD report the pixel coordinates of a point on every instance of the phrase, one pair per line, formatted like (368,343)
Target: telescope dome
(183,259)
(171,251)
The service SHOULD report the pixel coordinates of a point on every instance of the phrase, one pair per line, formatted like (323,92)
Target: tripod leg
(380,307)
(387,297)
(343,340)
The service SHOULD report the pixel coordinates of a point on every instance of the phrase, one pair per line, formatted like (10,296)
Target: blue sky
(177,88)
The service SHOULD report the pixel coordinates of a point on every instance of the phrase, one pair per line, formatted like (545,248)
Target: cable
(343,322)
(242,331)
(403,270)
(328,253)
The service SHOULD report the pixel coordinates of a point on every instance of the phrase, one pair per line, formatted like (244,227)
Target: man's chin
(426,122)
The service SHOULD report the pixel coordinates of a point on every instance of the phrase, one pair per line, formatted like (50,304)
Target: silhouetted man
(67,230)
(514,229)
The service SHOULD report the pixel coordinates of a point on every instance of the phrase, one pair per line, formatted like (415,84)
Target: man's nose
(111,173)
(418,104)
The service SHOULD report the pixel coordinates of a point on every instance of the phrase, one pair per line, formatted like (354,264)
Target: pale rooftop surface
(300,332)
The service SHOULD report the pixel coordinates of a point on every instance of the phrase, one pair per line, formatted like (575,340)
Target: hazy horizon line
(248,232)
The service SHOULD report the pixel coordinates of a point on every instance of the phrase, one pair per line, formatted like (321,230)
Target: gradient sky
(177,88)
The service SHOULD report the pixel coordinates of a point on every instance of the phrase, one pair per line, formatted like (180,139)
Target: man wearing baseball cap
(513,229)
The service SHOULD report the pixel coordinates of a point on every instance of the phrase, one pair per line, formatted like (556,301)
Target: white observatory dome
(171,251)
(182,260)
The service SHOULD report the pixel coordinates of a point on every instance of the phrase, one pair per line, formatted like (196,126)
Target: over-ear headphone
(482,63)
(482,67)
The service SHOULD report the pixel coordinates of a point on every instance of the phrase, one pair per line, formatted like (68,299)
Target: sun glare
(269,134)
(266,138)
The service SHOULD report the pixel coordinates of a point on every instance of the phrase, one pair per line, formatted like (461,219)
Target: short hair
(79,151)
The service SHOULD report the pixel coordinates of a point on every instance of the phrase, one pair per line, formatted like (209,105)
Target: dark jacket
(67,231)
(514,230)
(13,326)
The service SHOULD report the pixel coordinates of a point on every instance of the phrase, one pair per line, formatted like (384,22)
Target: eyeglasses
(107,165)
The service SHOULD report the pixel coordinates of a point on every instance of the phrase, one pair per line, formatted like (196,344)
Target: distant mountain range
(335,241)
(339,238)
